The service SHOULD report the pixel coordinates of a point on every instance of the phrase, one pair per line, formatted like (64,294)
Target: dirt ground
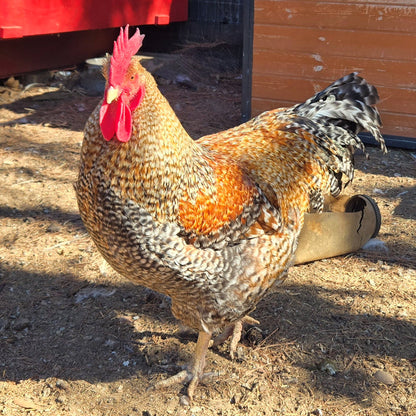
(337,338)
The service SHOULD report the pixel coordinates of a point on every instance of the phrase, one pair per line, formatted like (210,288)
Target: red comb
(124,49)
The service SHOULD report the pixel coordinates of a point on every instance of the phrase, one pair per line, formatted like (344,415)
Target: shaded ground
(75,338)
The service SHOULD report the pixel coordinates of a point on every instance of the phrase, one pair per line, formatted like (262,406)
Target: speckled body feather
(214,223)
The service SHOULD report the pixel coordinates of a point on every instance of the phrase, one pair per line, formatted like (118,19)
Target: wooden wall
(300,46)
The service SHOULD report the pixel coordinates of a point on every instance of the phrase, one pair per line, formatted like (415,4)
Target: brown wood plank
(258,105)
(394,124)
(349,16)
(398,100)
(376,45)
(301,46)
(272,86)
(284,88)
(399,124)
(312,65)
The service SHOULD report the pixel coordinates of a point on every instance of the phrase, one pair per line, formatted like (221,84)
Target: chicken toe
(234,331)
(193,375)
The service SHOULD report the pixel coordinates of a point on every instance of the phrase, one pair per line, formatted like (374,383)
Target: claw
(192,376)
(182,377)
(195,373)
(251,321)
(234,331)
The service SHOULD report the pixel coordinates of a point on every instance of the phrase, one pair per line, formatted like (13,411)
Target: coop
(294,48)
(42,34)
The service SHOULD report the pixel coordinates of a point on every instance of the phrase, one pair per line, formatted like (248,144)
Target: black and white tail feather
(347,103)
(335,117)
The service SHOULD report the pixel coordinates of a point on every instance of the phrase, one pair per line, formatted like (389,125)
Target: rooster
(212,223)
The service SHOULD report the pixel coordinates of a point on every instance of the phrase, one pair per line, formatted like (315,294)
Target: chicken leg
(195,373)
(234,331)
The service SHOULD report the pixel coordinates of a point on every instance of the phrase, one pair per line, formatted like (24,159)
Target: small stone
(291,380)
(378,191)
(328,366)
(61,399)
(185,81)
(4,324)
(62,384)
(384,377)
(12,83)
(46,391)
(184,401)
(375,245)
(93,292)
(53,228)
(240,354)
(20,324)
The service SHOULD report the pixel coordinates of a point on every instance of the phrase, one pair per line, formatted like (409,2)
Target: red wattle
(108,120)
(116,117)
(124,124)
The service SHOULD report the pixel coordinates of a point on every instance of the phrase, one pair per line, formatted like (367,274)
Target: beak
(112,94)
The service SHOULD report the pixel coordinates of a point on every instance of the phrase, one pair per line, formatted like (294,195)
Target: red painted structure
(40,34)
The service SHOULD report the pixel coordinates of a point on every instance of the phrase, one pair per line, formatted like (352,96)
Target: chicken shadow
(406,196)
(58,325)
(394,165)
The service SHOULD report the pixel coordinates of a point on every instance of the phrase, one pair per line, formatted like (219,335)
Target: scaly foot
(234,331)
(195,374)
